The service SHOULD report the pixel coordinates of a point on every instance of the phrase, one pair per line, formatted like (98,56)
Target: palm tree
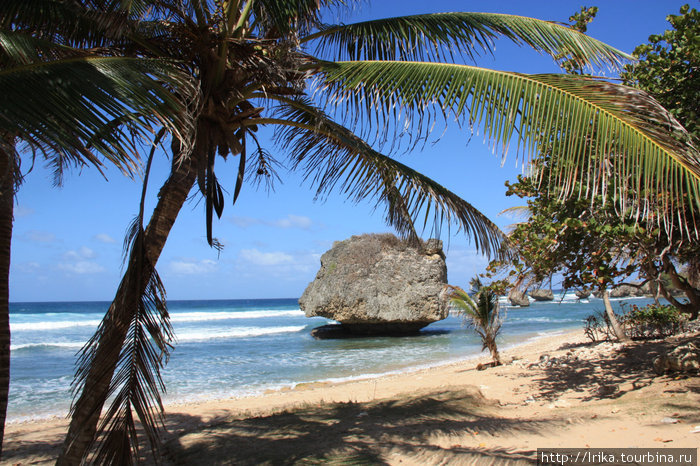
(482,313)
(259,62)
(69,103)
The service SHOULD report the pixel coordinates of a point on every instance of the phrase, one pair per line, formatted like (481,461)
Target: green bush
(653,321)
(650,321)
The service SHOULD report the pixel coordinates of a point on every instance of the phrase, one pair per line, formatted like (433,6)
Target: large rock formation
(518,298)
(378,284)
(541,295)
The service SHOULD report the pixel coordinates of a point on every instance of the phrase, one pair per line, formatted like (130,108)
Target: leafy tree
(65,100)
(599,244)
(667,67)
(482,313)
(258,62)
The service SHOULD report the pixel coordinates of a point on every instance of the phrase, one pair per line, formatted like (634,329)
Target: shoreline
(264,391)
(551,391)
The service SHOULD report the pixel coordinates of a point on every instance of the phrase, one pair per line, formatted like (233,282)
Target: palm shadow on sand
(357,433)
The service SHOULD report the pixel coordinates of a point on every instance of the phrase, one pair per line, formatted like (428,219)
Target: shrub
(654,321)
(650,321)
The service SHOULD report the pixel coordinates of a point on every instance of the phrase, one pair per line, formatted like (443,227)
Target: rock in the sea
(582,294)
(624,291)
(518,298)
(685,358)
(541,295)
(379,284)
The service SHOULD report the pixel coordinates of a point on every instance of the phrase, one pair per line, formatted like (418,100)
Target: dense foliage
(667,68)
(650,321)
(599,243)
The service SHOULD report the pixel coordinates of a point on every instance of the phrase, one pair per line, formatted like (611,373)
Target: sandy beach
(558,391)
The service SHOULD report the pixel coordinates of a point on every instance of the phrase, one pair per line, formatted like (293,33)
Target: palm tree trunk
(619,333)
(87,409)
(494,354)
(7,199)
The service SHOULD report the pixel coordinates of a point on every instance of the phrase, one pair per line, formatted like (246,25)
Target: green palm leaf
(280,18)
(623,135)
(73,108)
(331,157)
(439,35)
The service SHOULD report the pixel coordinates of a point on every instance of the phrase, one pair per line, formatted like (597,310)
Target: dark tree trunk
(87,409)
(8,175)
(693,295)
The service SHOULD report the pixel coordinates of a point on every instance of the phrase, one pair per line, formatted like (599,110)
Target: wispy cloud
(37,236)
(294,221)
(290,221)
(104,238)
(80,261)
(29,267)
(21,211)
(260,258)
(80,254)
(192,266)
(81,267)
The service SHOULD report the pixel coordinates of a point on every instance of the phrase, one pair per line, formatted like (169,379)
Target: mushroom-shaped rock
(379,284)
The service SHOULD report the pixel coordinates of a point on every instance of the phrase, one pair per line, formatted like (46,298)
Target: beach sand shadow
(608,376)
(358,433)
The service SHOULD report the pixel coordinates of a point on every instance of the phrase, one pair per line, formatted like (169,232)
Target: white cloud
(81,267)
(79,261)
(294,221)
(29,267)
(191,266)
(104,238)
(83,253)
(290,221)
(256,257)
(36,236)
(245,222)
(21,211)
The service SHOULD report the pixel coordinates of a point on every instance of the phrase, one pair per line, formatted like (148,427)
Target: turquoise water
(229,348)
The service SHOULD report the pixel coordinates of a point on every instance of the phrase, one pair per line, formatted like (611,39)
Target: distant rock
(518,298)
(379,284)
(541,295)
(624,291)
(582,294)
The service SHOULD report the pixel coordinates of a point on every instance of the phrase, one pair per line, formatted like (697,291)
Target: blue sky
(67,243)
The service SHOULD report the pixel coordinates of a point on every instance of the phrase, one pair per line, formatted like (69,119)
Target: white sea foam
(174,317)
(240,332)
(55,325)
(51,344)
(208,316)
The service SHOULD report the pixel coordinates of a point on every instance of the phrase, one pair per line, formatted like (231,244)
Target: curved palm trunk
(87,408)
(493,349)
(7,197)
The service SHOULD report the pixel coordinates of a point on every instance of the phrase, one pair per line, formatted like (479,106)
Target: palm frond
(139,352)
(280,18)
(331,156)
(137,382)
(621,136)
(439,35)
(79,24)
(73,108)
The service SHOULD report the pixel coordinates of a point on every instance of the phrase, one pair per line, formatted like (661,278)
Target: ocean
(235,348)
